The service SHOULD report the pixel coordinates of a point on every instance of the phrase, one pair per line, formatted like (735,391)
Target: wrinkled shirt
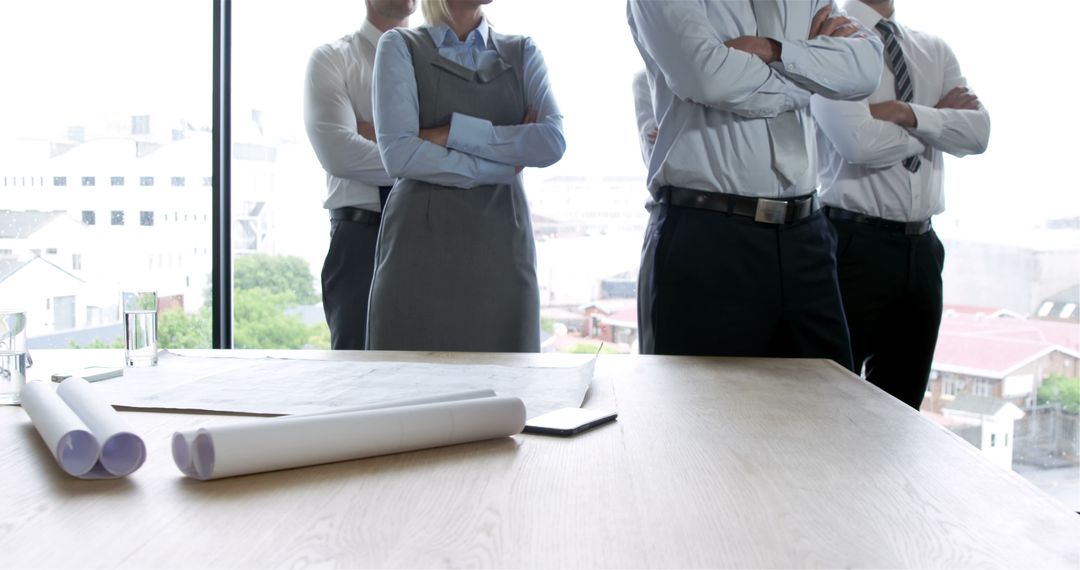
(337,95)
(860,157)
(711,102)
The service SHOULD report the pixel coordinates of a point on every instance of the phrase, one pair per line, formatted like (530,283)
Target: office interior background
(106,181)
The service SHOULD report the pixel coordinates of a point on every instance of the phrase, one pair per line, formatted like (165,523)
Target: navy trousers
(346,282)
(715,284)
(892,291)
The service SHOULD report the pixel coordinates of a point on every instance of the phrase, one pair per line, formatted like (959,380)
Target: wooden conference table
(712,463)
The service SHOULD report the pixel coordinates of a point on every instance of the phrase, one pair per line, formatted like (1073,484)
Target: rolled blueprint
(86,436)
(297,441)
(183,441)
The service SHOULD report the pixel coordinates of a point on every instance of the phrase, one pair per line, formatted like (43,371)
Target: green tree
(264,287)
(1062,390)
(261,321)
(279,274)
(118,342)
(177,329)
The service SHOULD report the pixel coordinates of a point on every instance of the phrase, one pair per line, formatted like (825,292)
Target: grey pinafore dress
(455,269)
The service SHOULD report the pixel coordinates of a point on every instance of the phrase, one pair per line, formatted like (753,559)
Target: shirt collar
(369,32)
(442,35)
(869,16)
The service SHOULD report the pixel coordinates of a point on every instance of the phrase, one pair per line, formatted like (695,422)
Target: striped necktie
(894,55)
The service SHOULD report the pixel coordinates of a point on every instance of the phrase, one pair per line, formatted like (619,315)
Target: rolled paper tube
(183,441)
(297,441)
(122,452)
(67,437)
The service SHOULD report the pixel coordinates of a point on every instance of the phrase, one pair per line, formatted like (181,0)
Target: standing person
(338,118)
(459,110)
(737,259)
(881,175)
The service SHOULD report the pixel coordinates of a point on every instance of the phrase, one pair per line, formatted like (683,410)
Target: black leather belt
(902,228)
(348,214)
(764,210)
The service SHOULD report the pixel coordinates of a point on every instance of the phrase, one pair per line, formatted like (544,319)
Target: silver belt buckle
(770,211)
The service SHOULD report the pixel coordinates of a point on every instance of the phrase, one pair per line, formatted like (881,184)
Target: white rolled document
(85,434)
(297,441)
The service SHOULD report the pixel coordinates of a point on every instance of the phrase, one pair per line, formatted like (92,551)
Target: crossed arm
(337,136)
(880,135)
(755,76)
(468,151)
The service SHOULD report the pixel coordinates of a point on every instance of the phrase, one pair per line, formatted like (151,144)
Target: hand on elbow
(897,112)
(366,130)
(437,135)
(766,49)
(833,27)
(959,98)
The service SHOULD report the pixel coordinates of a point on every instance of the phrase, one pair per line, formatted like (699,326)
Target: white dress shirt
(646,122)
(711,101)
(337,96)
(859,157)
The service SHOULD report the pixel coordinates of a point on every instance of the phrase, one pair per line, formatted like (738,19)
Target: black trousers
(714,284)
(346,282)
(891,284)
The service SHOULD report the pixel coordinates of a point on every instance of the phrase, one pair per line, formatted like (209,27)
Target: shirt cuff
(467,133)
(792,57)
(928,123)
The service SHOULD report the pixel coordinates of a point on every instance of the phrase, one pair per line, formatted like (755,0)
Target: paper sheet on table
(269,444)
(277,386)
(84,434)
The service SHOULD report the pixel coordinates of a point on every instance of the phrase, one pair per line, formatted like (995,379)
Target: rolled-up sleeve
(397,125)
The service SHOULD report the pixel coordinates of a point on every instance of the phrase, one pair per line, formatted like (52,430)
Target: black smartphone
(568,421)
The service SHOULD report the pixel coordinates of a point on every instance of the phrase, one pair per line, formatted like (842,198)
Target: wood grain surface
(713,462)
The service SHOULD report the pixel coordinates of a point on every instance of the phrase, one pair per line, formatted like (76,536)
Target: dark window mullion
(221,274)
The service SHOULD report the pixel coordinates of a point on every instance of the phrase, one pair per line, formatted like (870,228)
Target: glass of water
(12,355)
(140,328)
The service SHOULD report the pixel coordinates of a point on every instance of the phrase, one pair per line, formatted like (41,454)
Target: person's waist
(342,192)
(358,215)
(918,227)
(780,210)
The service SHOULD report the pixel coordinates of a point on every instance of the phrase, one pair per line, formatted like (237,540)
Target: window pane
(123,100)
(1007,345)
(280,228)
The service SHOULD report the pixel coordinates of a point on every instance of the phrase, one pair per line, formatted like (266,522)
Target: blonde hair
(436,12)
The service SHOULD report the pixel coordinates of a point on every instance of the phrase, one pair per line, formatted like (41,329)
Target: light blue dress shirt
(477,151)
(711,101)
